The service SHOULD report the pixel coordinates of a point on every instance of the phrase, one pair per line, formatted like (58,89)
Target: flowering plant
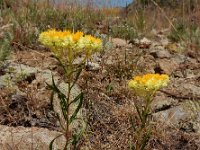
(146,86)
(65,44)
(67,47)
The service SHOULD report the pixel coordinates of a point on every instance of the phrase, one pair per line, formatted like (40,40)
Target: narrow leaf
(138,111)
(132,122)
(61,64)
(62,98)
(76,99)
(51,144)
(77,77)
(77,108)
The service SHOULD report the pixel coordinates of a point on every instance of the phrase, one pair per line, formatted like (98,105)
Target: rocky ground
(29,122)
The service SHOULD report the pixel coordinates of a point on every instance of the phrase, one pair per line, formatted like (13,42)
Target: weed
(5,45)
(178,33)
(145,87)
(67,47)
(123,31)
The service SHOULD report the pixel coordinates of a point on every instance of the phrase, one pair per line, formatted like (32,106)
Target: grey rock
(21,68)
(179,58)
(161,102)
(178,74)
(192,89)
(172,116)
(92,66)
(161,54)
(164,41)
(185,116)
(16,73)
(119,42)
(188,73)
(28,138)
(167,66)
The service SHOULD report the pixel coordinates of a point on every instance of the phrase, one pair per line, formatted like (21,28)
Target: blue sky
(110,3)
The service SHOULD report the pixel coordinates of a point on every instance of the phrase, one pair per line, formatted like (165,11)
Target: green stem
(145,112)
(144,122)
(69,77)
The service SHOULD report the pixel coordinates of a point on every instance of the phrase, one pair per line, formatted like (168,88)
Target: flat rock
(21,138)
(179,58)
(21,68)
(144,43)
(172,116)
(192,89)
(164,41)
(161,102)
(161,54)
(119,42)
(178,116)
(91,66)
(167,66)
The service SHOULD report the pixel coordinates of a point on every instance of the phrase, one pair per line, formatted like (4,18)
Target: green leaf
(132,122)
(138,111)
(51,144)
(79,97)
(76,99)
(51,99)
(61,96)
(59,119)
(61,64)
(77,77)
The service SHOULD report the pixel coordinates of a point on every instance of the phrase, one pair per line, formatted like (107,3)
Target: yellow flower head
(76,36)
(148,84)
(54,38)
(65,44)
(89,43)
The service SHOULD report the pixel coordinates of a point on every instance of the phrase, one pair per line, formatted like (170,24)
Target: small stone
(178,74)
(166,66)
(92,66)
(179,58)
(164,41)
(119,42)
(161,54)
(189,73)
(192,89)
(145,43)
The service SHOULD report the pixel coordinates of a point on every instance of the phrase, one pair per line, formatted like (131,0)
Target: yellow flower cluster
(77,42)
(148,84)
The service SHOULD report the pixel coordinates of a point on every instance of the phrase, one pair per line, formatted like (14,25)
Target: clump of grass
(178,33)
(187,33)
(125,31)
(5,44)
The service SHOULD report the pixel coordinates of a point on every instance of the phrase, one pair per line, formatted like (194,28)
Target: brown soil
(108,103)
